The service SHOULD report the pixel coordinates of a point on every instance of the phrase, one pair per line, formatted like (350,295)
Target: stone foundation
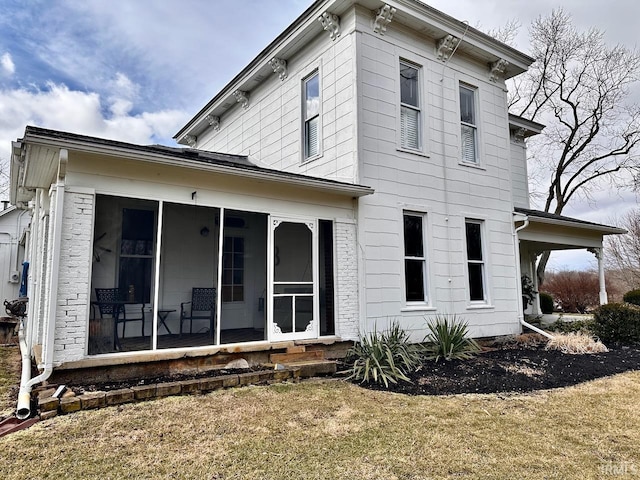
(49,406)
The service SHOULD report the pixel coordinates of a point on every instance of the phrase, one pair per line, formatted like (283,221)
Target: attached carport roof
(549,231)
(35,162)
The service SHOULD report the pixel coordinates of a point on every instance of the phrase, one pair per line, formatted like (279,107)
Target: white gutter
(605,229)
(516,248)
(23,410)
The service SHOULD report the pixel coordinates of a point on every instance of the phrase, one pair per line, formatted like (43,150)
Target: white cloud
(7,65)
(123,94)
(60,108)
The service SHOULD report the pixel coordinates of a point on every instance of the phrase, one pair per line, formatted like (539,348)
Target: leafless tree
(4,179)
(575,291)
(580,87)
(623,251)
(506,33)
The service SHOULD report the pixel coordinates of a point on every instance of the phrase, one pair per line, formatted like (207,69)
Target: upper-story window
(475,261)
(409,106)
(468,125)
(311,115)
(415,261)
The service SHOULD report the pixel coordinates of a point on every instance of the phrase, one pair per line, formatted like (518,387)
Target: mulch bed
(507,368)
(515,369)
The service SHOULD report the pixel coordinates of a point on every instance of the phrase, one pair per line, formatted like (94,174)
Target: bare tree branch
(580,88)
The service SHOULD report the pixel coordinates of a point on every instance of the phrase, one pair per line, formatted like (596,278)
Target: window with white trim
(468,125)
(415,260)
(410,113)
(233,256)
(311,115)
(475,261)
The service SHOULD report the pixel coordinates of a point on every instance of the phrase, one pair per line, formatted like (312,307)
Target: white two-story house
(362,169)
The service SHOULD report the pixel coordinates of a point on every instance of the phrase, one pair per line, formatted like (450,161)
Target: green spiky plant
(385,357)
(448,339)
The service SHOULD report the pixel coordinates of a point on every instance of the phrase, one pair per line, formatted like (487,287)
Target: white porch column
(603,289)
(535,307)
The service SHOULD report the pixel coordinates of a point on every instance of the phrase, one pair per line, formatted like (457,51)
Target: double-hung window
(409,106)
(475,261)
(415,260)
(468,125)
(311,115)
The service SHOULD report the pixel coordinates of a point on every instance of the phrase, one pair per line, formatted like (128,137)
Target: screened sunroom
(168,275)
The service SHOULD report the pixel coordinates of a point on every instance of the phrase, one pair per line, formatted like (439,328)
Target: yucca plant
(385,357)
(448,339)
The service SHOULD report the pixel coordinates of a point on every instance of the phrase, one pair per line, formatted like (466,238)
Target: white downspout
(516,248)
(23,410)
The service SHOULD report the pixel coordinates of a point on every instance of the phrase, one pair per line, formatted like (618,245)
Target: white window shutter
(409,125)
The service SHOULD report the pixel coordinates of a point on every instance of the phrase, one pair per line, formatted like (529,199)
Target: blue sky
(136,71)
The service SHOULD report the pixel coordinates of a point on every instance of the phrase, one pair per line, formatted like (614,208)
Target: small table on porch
(162,317)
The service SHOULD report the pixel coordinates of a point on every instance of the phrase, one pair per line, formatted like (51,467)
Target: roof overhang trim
(306,25)
(567,222)
(263,174)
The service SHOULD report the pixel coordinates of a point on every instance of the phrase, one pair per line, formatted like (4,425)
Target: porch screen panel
(244,278)
(136,253)
(122,285)
(188,287)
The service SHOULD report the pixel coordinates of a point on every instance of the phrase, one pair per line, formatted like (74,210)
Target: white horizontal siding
(519,177)
(270,129)
(433,182)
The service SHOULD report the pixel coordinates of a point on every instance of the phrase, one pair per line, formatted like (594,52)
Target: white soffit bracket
(213,121)
(331,23)
(519,135)
(62,164)
(498,69)
(242,98)
(445,47)
(383,18)
(279,66)
(190,140)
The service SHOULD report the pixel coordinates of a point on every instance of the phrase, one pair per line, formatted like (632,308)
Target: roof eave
(604,229)
(530,127)
(307,21)
(304,22)
(79,145)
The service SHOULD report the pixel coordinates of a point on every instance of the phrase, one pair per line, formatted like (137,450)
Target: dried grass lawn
(9,377)
(335,430)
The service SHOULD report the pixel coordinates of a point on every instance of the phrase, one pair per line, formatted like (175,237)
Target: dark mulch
(515,369)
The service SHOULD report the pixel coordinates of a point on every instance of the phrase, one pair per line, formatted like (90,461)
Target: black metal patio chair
(201,307)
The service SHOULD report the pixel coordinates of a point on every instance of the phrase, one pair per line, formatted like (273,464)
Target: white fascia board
(604,229)
(264,175)
(534,128)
